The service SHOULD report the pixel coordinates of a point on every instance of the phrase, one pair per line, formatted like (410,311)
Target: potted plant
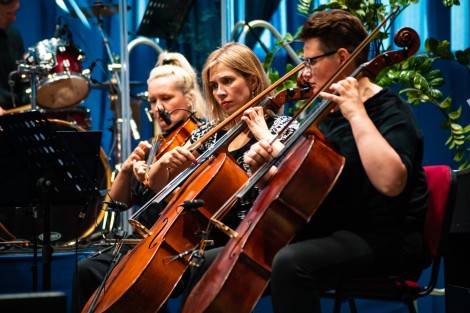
(417,78)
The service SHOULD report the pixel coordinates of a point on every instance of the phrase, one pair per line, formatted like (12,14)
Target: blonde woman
(172,90)
(231,77)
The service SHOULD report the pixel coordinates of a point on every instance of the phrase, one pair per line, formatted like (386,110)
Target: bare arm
(121,188)
(168,166)
(381,162)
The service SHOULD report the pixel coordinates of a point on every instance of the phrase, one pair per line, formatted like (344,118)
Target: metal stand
(44,185)
(33,143)
(117,254)
(120,99)
(33,71)
(115,82)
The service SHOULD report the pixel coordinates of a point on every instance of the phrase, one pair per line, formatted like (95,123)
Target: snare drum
(79,116)
(64,85)
(65,225)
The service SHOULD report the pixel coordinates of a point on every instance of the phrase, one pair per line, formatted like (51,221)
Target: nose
(220,92)
(157,106)
(306,74)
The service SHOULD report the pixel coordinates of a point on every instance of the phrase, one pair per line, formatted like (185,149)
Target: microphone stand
(117,256)
(11,83)
(33,71)
(114,90)
(120,100)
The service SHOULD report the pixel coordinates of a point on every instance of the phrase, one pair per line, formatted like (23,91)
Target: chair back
(441,184)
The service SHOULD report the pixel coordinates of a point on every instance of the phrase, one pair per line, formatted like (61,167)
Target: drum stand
(33,71)
(54,169)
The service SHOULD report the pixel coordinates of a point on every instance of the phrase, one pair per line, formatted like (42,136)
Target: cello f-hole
(152,243)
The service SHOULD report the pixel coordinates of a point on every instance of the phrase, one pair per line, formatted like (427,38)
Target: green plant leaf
(446,103)
(459,156)
(414,78)
(455,115)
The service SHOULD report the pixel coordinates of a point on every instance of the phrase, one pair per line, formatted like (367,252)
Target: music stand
(33,141)
(163,18)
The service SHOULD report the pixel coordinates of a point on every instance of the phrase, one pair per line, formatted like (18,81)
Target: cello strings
(339,71)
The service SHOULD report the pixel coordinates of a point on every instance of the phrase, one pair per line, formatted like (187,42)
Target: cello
(236,279)
(146,276)
(161,144)
(177,135)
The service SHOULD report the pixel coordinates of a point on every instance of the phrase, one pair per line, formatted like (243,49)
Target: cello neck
(219,145)
(406,37)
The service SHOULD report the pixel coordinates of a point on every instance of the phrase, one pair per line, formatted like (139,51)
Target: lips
(225,104)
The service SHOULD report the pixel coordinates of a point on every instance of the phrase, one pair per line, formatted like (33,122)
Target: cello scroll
(406,38)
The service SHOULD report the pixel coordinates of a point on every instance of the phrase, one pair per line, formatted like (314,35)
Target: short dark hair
(336,29)
(5,2)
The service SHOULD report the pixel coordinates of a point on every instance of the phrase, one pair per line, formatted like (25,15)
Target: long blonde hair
(239,58)
(177,66)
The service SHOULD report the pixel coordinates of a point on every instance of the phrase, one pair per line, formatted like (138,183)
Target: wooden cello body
(176,138)
(284,206)
(145,277)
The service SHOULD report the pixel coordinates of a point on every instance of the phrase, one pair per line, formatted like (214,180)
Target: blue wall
(37,20)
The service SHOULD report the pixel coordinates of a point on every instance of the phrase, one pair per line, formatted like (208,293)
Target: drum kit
(59,84)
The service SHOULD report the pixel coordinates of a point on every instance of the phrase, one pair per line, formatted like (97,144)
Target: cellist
(232,75)
(372,221)
(234,80)
(175,97)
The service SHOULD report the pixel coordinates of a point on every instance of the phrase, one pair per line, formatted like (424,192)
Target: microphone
(165,116)
(88,71)
(117,206)
(134,129)
(58,32)
(192,204)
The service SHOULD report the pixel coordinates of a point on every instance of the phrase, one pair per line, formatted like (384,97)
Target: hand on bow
(259,154)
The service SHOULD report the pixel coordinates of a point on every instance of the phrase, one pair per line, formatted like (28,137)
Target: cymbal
(100,9)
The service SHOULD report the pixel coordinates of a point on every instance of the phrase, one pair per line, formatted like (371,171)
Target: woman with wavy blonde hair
(240,59)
